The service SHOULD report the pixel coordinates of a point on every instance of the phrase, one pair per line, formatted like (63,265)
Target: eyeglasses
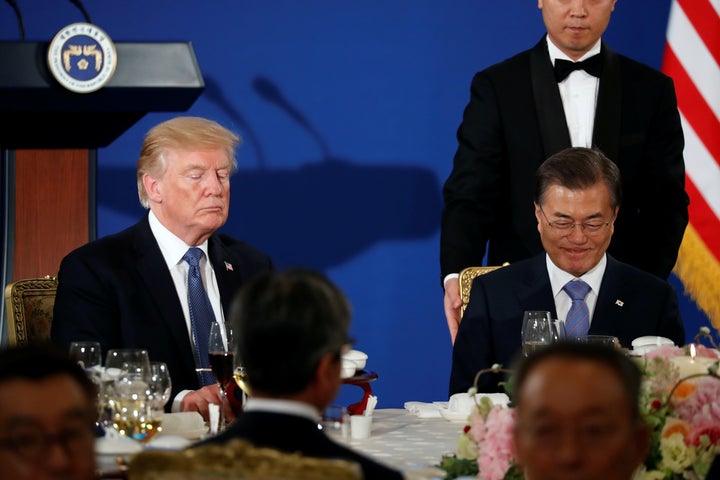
(588,228)
(33,444)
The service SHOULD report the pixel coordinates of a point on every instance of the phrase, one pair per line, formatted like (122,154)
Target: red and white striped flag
(692,59)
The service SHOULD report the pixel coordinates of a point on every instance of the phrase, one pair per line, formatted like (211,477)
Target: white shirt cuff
(450,276)
(177,401)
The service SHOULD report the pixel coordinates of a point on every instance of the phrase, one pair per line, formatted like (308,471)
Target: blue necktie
(577,322)
(201,314)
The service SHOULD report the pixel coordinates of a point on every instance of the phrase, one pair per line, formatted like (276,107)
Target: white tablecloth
(408,443)
(399,439)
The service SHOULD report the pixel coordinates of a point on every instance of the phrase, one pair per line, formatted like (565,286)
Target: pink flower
(711,430)
(703,406)
(498,450)
(665,351)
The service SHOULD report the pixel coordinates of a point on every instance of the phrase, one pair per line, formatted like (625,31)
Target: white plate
(454,416)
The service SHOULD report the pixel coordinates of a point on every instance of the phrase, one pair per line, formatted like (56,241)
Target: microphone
(21,27)
(270,92)
(81,7)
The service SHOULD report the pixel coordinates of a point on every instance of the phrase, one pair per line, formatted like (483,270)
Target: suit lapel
(606,131)
(548,104)
(535,292)
(228,272)
(608,314)
(160,287)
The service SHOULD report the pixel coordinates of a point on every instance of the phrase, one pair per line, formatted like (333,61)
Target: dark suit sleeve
(663,202)
(84,309)
(471,191)
(473,349)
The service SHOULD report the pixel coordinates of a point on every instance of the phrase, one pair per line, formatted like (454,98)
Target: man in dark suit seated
(291,330)
(160,284)
(577,198)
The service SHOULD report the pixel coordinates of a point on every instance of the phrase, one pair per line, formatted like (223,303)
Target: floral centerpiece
(680,402)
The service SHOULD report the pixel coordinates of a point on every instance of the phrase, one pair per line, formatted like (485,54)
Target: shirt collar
(558,277)
(556,53)
(289,407)
(171,247)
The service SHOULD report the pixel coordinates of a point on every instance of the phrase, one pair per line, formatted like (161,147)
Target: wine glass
(129,398)
(559,333)
(160,384)
(221,349)
(537,330)
(89,357)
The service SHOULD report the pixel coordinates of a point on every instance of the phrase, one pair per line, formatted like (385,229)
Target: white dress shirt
(289,407)
(579,97)
(173,249)
(558,279)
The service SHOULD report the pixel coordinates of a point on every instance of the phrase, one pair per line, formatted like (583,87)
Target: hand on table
(198,401)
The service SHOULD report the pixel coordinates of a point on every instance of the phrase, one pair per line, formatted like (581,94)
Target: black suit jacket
(118,290)
(631,303)
(291,433)
(515,120)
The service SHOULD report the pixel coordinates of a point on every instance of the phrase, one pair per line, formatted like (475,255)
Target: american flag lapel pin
(619,303)
(228,266)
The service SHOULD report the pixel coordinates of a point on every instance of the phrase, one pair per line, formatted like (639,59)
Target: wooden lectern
(50,139)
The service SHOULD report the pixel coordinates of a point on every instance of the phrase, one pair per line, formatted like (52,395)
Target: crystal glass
(128,397)
(160,384)
(537,330)
(221,349)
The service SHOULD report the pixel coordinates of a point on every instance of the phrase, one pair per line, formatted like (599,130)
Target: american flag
(692,59)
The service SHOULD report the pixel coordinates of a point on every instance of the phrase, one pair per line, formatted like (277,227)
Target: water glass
(88,355)
(335,423)
(537,330)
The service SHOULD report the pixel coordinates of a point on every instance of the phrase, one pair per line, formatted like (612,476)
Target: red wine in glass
(222,365)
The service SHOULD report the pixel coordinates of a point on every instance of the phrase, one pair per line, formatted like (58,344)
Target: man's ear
(152,188)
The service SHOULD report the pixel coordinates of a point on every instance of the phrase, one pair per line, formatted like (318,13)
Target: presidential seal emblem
(82,57)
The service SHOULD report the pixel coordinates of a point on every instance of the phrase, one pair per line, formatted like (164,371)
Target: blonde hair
(182,133)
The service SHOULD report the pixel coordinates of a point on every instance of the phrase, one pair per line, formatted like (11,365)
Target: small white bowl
(358,357)
(648,343)
(348,368)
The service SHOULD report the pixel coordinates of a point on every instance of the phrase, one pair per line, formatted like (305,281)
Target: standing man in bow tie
(523,110)
(159,284)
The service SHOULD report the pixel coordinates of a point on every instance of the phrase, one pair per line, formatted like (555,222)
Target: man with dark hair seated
(291,330)
(47,415)
(578,414)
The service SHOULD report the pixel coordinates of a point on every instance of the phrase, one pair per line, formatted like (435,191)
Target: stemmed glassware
(129,397)
(537,330)
(221,348)
(160,384)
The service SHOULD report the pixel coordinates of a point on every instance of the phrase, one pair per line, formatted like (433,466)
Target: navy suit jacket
(118,290)
(515,120)
(631,303)
(291,433)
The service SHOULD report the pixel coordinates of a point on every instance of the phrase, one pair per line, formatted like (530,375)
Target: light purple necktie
(201,314)
(577,322)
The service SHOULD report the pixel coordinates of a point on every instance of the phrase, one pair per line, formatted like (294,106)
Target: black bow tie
(592,66)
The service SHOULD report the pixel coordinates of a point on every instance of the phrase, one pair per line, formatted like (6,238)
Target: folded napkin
(459,403)
(423,410)
(182,423)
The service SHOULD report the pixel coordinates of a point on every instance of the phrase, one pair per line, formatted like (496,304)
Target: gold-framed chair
(234,460)
(467,275)
(29,303)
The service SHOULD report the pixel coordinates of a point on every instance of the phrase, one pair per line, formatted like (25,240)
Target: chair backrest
(30,305)
(467,275)
(237,459)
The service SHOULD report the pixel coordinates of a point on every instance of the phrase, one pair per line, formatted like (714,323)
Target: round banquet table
(408,443)
(399,439)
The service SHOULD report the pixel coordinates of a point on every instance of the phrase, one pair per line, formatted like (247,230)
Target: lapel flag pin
(619,303)
(228,267)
